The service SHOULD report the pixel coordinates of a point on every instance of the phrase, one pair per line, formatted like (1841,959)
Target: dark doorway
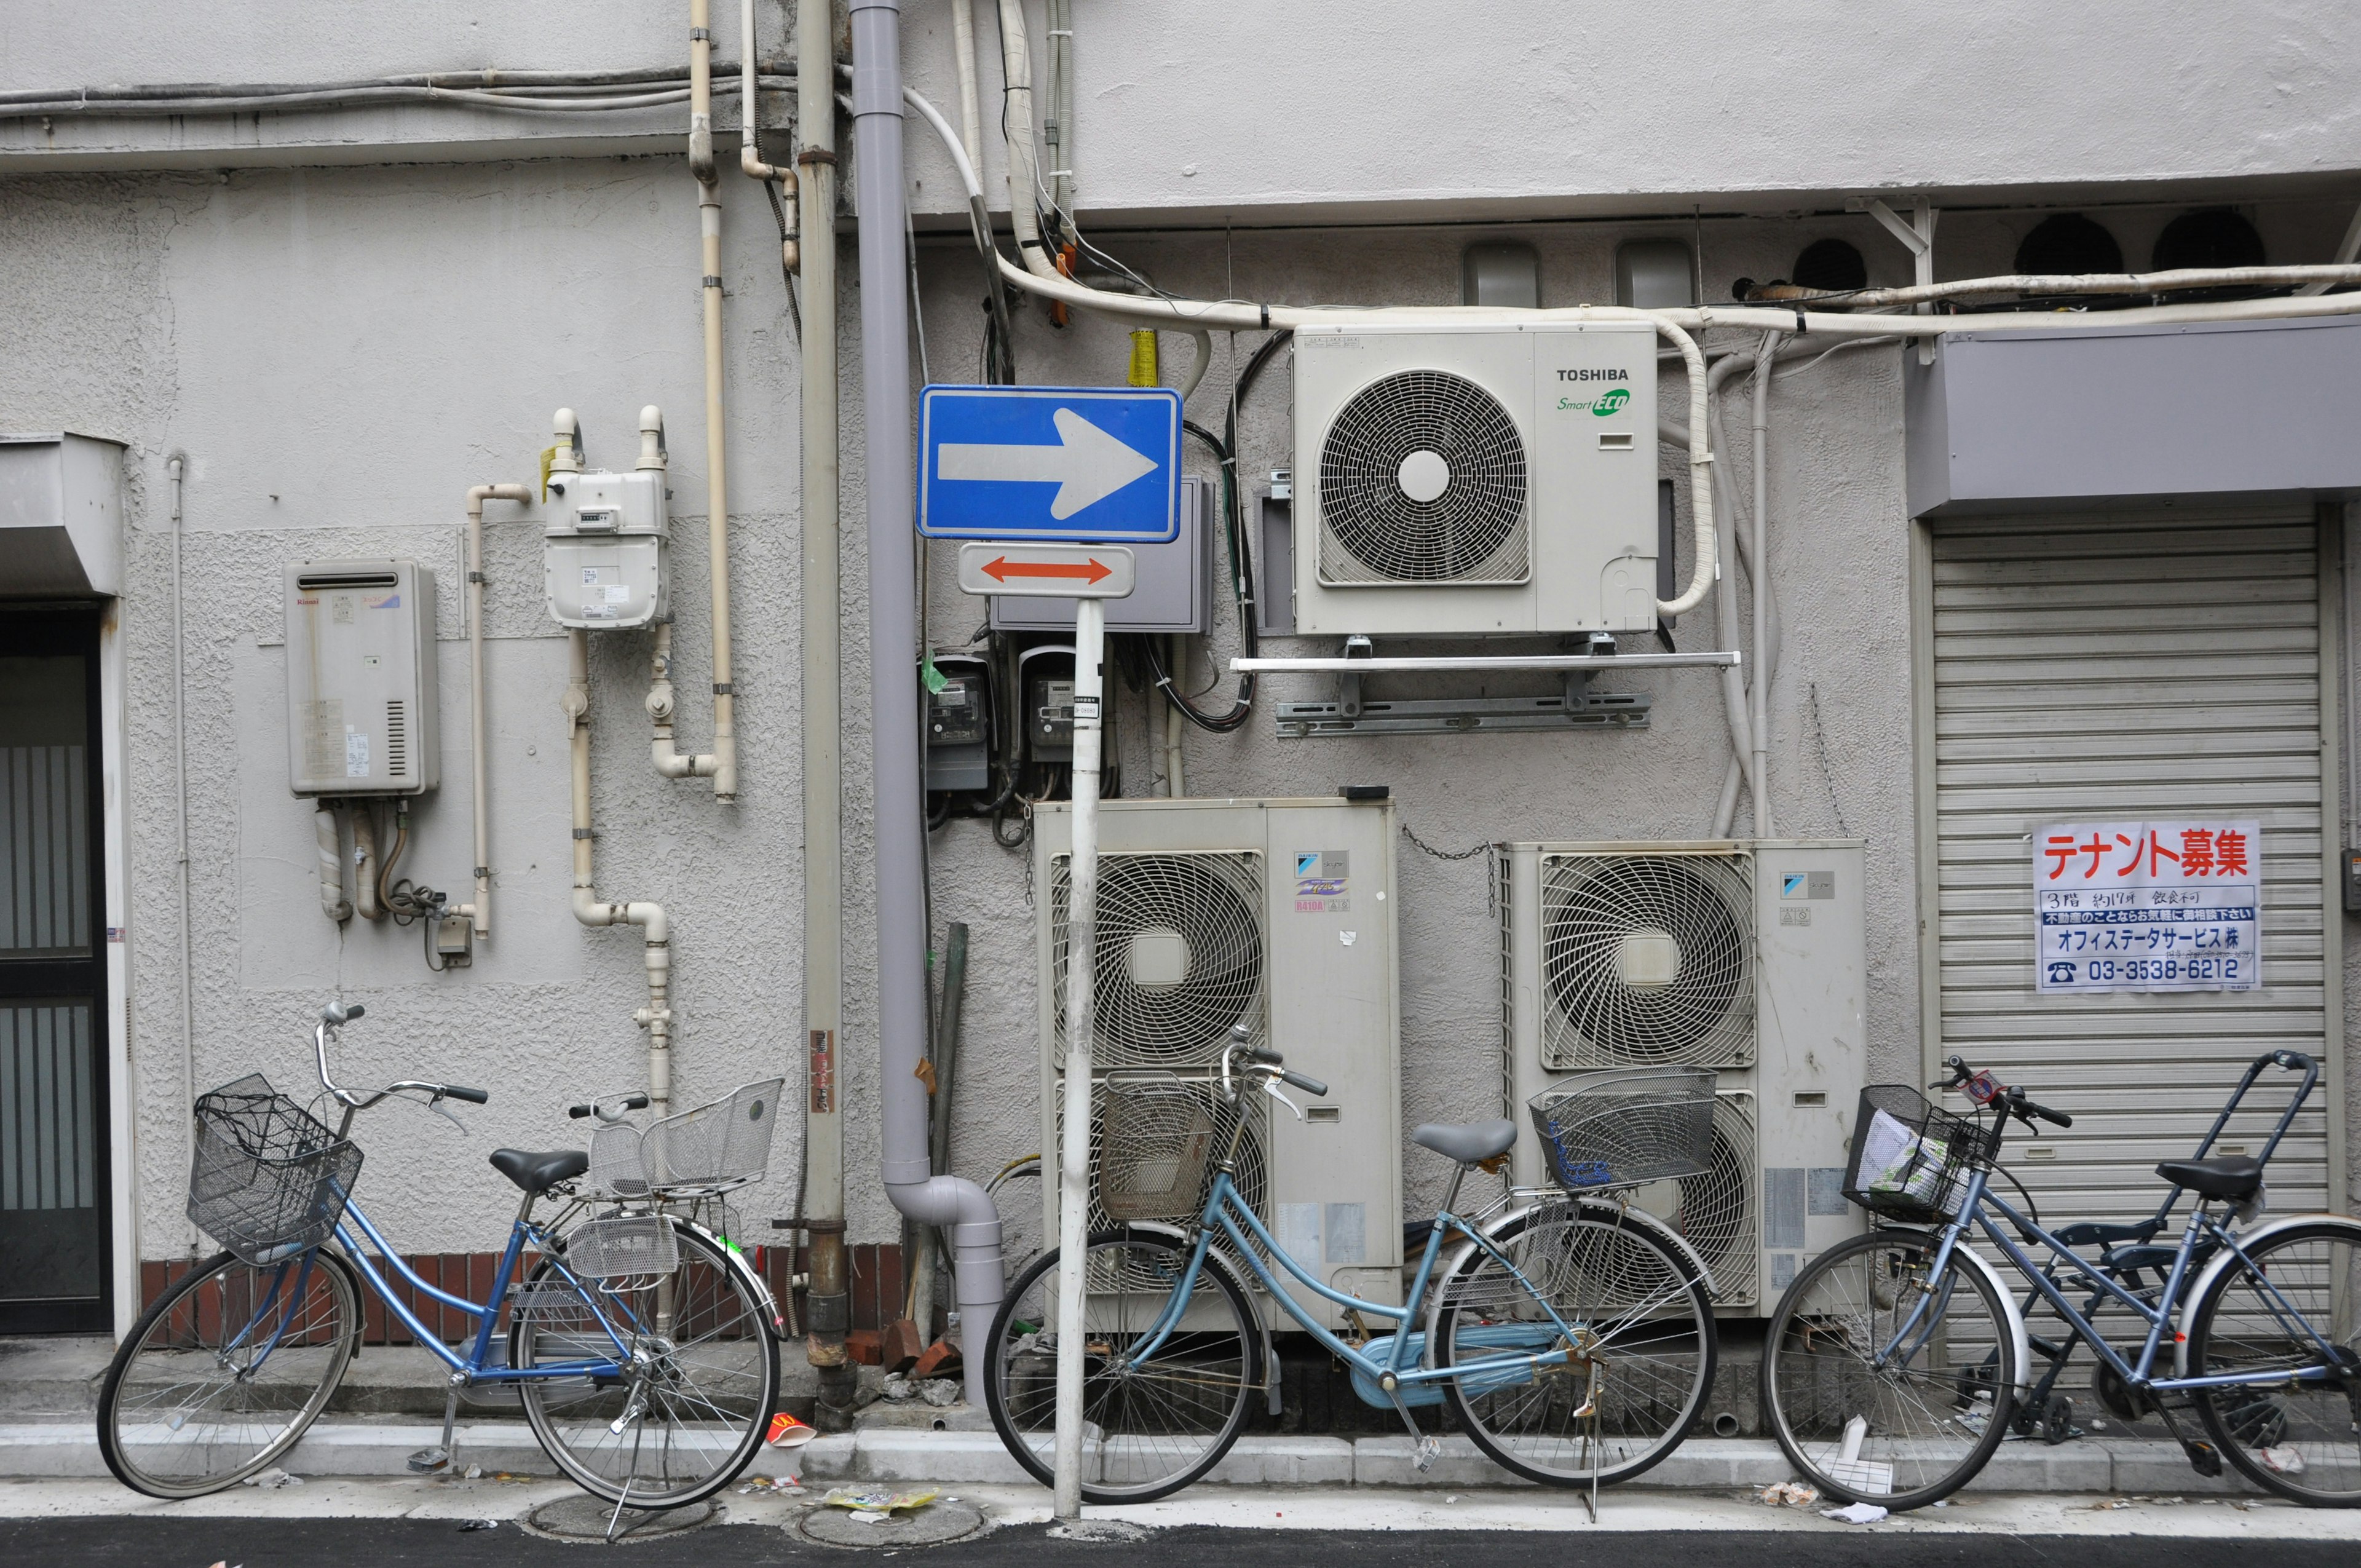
(55,1210)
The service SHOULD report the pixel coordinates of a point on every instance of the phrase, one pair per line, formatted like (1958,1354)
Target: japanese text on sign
(2147,905)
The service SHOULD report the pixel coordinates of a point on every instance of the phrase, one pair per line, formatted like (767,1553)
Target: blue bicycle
(639,1343)
(1573,1334)
(1898,1361)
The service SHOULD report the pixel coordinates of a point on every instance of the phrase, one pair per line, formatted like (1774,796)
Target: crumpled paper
(1788,1495)
(1855,1513)
(876,1504)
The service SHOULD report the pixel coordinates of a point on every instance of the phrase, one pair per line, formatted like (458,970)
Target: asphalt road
(107,1542)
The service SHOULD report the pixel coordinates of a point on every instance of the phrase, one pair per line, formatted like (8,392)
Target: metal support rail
(1363,666)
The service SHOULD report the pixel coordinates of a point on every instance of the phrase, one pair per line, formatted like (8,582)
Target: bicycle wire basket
(1155,1139)
(713,1149)
(616,1169)
(269,1179)
(1626,1126)
(1910,1157)
(623,1246)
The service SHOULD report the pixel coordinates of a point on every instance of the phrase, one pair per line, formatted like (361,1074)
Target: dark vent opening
(397,740)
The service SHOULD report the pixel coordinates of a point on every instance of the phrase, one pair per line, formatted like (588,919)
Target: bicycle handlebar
(1268,1060)
(628,1102)
(339,1012)
(1309,1085)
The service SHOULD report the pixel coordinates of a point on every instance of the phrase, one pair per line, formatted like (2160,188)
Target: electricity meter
(959,725)
(605,562)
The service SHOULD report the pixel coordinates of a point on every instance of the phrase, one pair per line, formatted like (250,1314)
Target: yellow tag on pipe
(1143,371)
(548,456)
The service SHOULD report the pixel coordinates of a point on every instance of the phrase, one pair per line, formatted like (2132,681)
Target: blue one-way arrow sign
(1081,463)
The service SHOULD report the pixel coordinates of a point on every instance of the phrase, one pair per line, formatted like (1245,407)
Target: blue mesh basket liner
(1531,1338)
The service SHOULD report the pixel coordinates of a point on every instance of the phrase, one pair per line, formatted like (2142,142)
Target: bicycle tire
(200,1306)
(1020,1385)
(1649,1333)
(1812,1391)
(2323,1429)
(737,1385)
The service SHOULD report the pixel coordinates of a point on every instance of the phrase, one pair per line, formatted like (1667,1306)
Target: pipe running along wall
(721,764)
(656,930)
(480,912)
(960,1206)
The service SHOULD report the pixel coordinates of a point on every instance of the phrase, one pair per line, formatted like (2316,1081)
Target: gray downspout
(960,1206)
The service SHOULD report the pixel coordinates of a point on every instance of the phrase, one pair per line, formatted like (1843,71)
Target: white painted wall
(341,352)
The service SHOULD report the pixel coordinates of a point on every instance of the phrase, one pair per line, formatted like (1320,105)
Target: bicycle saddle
(1468,1142)
(2224,1176)
(539,1172)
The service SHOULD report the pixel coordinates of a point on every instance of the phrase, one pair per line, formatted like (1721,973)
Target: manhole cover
(584,1518)
(945,1519)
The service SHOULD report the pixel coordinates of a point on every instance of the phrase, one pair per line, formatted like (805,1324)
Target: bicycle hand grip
(635,1102)
(577,1111)
(472,1096)
(1309,1085)
(1262,1056)
(2028,1109)
(341,1011)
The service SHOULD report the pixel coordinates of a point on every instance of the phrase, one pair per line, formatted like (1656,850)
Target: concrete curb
(889,1453)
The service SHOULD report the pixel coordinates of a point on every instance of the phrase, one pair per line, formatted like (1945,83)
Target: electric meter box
(605,564)
(360,679)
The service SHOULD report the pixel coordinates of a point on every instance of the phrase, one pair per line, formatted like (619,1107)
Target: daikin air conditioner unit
(1748,958)
(1487,479)
(1278,915)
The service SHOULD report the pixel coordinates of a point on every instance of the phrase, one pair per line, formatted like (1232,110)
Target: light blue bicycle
(639,1343)
(1572,1335)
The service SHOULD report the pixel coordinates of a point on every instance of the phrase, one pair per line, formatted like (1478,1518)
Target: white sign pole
(1074,1146)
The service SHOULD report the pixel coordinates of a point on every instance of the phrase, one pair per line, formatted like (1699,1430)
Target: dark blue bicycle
(638,1340)
(1898,1361)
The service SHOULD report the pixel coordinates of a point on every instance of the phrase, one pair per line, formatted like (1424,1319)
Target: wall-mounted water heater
(360,679)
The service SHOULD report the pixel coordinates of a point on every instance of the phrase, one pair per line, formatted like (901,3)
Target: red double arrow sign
(1001,568)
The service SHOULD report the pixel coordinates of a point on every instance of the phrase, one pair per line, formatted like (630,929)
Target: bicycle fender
(2224,1259)
(1215,1259)
(743,1267)
(2017,1334)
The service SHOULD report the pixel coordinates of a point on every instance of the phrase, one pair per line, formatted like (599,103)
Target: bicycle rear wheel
(2298,1288)
(1149,1427)
(224,1372)
(700,1380)
(1642,1349)
(1868,1419)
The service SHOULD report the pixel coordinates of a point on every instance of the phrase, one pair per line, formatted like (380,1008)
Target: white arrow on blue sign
(1086,464)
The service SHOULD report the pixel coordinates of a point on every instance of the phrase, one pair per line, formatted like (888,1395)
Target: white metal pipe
(656,929)
(960,1206)
(1275,664)
(822,651)
(1081,1021)
(721,764)
(1758,716)
(750,161)
(2316,278)
(963,47)
(1176,781)
(1727,556)
(2347,249)
(479,913)
(175,469)
(327,837)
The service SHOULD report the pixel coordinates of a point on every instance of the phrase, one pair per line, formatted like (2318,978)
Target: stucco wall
(341,353)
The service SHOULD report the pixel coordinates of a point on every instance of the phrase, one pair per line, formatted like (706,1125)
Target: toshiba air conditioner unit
(1745,958)
(1277,914)
(1477,479)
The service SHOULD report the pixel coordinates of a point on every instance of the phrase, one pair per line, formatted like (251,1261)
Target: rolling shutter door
(2154,666)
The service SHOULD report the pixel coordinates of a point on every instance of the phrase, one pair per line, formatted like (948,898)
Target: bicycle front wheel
(1886,1383)
(2294,1305)
(1151,1423)
(224,1372)
(699,1380)
(1639,1353)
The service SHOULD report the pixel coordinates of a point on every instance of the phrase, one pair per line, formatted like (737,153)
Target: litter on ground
(274,1478)
(1788,1495)
(1855,1513)
(883,1502)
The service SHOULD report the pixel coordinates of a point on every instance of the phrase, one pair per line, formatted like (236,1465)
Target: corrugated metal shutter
(2154,665)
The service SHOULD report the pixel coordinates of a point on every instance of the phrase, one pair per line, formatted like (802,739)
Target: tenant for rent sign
(2148,905)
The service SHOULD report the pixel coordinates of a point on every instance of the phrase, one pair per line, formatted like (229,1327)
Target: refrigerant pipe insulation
(1758,718)
(480,912)
(935,1199)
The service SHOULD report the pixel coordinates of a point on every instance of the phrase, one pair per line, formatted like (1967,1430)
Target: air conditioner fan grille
(1647,960)
(1179,958)
(1374,530)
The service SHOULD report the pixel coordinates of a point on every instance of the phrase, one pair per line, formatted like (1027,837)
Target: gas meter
(605,562)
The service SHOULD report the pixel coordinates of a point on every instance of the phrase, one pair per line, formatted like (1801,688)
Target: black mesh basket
(1910,1157)
(270,1179)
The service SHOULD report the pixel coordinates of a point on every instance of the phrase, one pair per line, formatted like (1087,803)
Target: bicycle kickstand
(441,1460)
(1424,1450)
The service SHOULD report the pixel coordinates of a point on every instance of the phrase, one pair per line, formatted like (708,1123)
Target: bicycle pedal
(427,1460)
(2203,1458)
(1430,1449)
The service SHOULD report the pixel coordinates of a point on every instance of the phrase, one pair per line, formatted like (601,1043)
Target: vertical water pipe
(828,1302)
(960,1206)
(479,913)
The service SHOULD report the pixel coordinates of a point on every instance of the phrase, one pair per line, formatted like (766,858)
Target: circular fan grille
(1647,960)
(1715,1209)
(1379,468)
(1180,956)
(1253,1179)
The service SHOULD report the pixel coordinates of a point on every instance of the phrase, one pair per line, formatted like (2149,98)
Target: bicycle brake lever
(435,1103)
(1270,1086)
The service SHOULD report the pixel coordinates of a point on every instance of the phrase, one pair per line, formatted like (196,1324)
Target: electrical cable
(523,92)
